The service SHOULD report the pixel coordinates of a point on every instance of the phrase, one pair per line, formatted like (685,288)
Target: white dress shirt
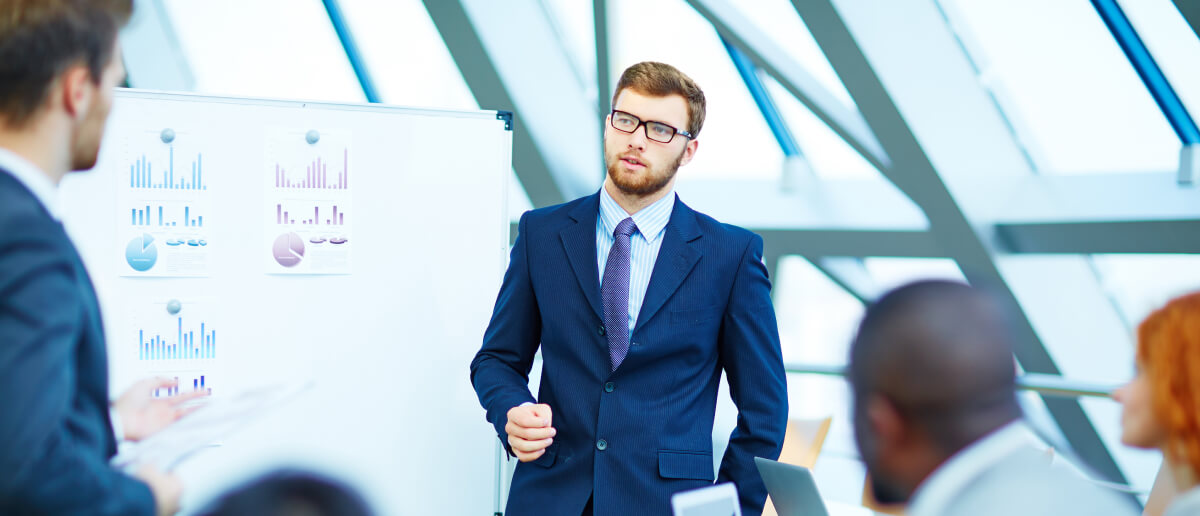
(33,178)
(939,489)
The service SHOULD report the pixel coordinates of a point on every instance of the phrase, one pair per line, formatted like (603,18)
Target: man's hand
(529,431)
(142,414)
(166,487)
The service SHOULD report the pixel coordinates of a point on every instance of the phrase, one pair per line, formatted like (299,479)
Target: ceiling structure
(1048,150)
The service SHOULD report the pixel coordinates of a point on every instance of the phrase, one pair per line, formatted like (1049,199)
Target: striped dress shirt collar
(650,220)
(643,251)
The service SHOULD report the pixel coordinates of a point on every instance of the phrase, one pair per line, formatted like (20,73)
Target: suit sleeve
(46,469)
(500,371)
(753,363)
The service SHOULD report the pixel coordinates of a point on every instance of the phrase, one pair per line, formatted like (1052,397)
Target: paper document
(216,419)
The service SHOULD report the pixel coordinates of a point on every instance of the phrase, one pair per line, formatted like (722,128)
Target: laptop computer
(718,500)
(792,488)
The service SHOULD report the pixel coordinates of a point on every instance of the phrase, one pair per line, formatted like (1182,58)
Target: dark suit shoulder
(553,219)
(21,213)
(29,238)
(727,232)
(562,210)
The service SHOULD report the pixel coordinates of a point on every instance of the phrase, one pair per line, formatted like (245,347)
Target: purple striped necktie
(615,293)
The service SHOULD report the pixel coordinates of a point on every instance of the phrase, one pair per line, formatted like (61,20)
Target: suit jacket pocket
(547,459)
(685,464)
(696,315)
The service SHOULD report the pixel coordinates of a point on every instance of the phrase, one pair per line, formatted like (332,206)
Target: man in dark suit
(638,303)
(59,63)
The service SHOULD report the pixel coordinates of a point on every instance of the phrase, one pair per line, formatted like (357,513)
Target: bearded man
(637,303)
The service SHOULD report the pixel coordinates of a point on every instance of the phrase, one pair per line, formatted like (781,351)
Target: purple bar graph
(338,218)
(316,175)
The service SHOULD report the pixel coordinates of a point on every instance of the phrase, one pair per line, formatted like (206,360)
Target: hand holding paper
(214,420)
(143,415)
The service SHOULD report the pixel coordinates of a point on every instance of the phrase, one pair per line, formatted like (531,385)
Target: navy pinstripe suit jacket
(55,433)
(707,309)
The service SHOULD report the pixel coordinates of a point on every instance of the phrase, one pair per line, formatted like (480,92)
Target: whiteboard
(385,329)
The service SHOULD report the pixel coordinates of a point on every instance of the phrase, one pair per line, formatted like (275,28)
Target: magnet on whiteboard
(312,136)
(174,306)
(167,135)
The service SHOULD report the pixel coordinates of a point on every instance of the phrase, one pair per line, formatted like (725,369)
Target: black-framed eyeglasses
(657,131)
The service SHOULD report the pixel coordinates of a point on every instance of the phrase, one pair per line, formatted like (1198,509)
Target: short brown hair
(661,80)
(40,39)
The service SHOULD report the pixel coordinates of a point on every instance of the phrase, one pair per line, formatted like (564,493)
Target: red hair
(1169,350)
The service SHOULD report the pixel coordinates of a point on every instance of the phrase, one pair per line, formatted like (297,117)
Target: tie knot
(625,228)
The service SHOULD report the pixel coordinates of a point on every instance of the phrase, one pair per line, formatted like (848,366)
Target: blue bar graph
(183,348)
(142,217)
(196,380)
(141,170)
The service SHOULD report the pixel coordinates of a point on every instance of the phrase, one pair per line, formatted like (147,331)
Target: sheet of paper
(216,419)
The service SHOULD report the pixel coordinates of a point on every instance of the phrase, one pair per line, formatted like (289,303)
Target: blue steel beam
(356,61)
(1152,76)
(762,99)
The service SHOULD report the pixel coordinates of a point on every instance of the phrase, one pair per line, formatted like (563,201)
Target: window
(1073,98)
(405,55)
(268,48)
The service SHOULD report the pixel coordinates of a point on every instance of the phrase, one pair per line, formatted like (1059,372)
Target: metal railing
(1048,384)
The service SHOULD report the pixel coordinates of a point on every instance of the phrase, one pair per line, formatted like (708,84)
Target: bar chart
(333,216)
(307,205)
(141,174)
(316,175)
(185,383)
(154,346)
(167,201)
(158,216)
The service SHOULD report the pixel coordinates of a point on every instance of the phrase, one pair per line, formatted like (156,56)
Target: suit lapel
(579,241)
(676,258)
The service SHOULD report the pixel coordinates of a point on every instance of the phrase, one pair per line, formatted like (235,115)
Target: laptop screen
(792,488)
(718,500)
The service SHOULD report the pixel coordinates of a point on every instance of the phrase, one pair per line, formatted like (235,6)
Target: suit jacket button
(602,445)
(608,387)
(600,331)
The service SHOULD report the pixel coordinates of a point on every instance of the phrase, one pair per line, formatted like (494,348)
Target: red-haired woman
(1162,402)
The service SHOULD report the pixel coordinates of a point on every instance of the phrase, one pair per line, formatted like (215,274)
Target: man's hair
(662,80)
(941,353)
(290,491)
(40,39)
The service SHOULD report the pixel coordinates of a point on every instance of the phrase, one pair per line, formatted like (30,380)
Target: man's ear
(885,420)
(689,152)
(76,91)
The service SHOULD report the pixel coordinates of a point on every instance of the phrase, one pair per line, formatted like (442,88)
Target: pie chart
(141,253)
(288,249)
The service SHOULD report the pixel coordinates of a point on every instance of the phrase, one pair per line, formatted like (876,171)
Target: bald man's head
(932,371)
